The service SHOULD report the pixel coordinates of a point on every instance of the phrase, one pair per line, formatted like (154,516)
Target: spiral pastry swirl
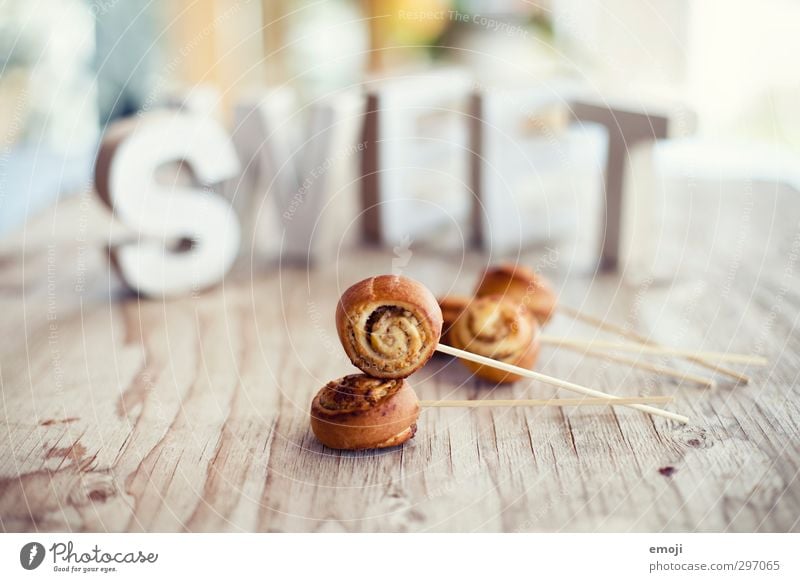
(522,285)
(500,329)
(389,325)
(359,412)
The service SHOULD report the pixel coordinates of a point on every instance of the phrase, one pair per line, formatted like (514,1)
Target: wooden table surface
(120,414)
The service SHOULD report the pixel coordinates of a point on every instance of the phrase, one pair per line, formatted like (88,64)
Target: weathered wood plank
(191,415)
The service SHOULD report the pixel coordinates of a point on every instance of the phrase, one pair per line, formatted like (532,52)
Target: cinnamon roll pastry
(452,306)
(389,325)
(500,329)
(359,412)
(522,285)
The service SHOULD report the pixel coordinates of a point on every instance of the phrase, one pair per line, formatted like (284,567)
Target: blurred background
(70,67)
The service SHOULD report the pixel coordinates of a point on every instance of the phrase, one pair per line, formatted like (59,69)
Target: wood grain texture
(120,414)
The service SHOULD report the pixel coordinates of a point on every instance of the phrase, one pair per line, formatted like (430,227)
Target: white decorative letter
(163,213)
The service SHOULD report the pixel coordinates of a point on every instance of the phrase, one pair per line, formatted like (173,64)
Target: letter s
(159,214)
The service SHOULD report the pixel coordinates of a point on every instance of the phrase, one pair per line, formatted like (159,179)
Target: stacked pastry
(502,321)
(389,327)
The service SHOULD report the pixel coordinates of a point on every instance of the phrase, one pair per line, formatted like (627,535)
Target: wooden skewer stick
(630,334)
(554,381)
(645,349)
(543,403)
(633,362)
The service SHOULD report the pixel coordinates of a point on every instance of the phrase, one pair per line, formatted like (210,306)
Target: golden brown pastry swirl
(359,412)
(500,329)
(522,285)
(389,325)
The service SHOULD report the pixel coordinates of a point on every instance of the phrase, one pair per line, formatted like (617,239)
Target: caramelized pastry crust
(452,307)
(359,412)
(389,325)
(500,329)
(522,285)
